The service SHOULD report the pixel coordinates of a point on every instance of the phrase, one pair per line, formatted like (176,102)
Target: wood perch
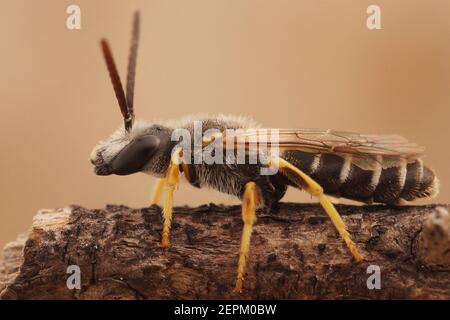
(295,254)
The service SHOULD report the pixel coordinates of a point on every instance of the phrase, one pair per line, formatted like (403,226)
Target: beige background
(287,63)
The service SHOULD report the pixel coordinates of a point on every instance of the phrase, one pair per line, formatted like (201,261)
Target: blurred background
(287,63)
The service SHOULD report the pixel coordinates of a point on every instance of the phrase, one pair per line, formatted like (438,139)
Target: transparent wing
(367,150)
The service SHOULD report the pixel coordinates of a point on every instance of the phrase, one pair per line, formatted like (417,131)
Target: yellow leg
(334,200)
(159,186)
(250,202)
(315,189)
(171,182)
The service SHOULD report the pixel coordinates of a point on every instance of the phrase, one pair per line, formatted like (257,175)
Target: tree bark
(295,253)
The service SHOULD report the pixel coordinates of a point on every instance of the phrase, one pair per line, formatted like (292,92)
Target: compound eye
(135,155)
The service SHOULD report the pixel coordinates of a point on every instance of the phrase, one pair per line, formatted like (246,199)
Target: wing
(367,150)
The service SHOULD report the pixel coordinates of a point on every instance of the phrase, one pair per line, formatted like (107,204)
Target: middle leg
(250,201)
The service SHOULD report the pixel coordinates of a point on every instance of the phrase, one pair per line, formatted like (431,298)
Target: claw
(165,242)
(238,287)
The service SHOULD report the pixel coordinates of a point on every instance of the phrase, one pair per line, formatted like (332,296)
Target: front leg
(159,186)
(171,181)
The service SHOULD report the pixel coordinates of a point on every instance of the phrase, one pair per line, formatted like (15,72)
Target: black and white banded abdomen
(340,177)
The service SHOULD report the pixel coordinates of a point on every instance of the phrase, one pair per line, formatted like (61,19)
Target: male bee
(364,167)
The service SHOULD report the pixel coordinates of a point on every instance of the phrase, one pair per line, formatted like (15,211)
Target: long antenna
(131,74)
(117,85)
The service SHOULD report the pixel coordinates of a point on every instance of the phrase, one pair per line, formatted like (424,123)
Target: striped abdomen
(340,177)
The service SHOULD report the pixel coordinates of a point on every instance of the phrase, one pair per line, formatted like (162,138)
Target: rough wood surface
(295,254)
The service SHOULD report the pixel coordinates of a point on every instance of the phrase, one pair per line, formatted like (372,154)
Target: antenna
(125,103)
(131,75)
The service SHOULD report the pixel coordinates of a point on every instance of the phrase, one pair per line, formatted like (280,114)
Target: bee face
(104,153)
(126,152)
(96,159)
(101,167)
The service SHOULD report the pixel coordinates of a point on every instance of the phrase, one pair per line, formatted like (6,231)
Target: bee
(369,168)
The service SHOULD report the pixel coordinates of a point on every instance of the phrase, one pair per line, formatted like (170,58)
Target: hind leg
(309,185)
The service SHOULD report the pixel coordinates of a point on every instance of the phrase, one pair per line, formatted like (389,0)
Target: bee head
(126,152)
(132,146)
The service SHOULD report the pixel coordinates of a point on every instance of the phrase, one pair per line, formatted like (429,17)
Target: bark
(295,254)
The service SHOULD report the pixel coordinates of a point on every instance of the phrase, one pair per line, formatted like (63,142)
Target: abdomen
(340,177)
